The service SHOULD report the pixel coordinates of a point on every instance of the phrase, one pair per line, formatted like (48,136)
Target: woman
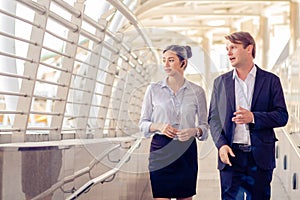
(169,112)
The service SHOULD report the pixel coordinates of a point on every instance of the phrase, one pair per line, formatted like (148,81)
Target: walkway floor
(208,177)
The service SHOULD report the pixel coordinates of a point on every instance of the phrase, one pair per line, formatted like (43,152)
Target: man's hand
(243,116)
(223,153)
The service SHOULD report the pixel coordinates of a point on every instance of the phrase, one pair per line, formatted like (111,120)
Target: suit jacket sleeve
(268,107)
(217,113)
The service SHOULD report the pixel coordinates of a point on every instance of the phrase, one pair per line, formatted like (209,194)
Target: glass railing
(289,71)
(67,71)
(72,81)
(288,145)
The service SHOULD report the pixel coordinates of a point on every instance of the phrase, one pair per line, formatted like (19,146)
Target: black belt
(241,147)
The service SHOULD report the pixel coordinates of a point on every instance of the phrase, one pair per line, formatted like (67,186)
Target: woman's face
(172,64)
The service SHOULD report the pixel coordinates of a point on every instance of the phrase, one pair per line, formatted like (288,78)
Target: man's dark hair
(243,38)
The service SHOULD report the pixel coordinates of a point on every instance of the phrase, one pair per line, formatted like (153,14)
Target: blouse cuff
(145,129)
(204,135)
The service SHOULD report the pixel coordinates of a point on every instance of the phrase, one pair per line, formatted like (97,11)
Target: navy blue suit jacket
(269,109)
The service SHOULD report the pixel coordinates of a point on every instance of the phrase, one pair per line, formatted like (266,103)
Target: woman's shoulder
(195,86)
(154,85)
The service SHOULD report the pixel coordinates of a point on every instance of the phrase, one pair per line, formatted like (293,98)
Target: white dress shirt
(243,98)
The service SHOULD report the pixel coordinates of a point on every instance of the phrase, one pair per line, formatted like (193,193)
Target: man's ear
(250,47)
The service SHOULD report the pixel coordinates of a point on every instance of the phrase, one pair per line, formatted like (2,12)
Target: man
(246,104)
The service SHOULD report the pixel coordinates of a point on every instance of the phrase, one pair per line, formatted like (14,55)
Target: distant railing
(288,146)
(109,174)
(77,174)
(288,163)
(289,70)
(70,74)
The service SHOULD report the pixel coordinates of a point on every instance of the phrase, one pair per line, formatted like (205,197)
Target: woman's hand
(186,134)
(165,129)
(168,130)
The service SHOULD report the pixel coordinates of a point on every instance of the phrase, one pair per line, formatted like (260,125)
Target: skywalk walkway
(208,187)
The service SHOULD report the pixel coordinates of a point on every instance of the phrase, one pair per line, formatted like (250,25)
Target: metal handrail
(76,174)
(288,159)
(291,142)
(111,173)
(126,12)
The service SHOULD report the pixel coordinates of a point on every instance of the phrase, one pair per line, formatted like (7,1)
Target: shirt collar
(251,73)
(164,83)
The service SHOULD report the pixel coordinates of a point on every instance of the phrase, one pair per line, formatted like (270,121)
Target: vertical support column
(65,78)
(90,84)
(134,84)
(264,30)
(124,117)
(123,74)
(294,26)
(117,95)
(30,70)
(8,65)
(296,16)
(207,39)
(105,113)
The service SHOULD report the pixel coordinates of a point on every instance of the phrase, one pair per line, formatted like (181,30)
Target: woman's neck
(175,83)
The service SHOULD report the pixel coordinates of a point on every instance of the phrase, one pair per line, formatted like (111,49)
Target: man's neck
(243,72)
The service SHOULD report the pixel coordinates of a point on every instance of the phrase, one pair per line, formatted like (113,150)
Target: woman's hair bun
(188,51)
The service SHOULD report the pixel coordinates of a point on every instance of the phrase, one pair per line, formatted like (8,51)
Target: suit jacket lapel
(259,80)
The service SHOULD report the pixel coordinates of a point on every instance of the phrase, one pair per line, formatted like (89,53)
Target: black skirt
(173,167)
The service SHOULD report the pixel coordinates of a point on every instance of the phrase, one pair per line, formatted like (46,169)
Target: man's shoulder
(225,75)
(266,73)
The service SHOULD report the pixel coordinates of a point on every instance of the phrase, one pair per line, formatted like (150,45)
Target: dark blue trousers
(245,178)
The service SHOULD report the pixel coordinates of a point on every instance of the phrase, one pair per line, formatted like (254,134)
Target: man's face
(237,54)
